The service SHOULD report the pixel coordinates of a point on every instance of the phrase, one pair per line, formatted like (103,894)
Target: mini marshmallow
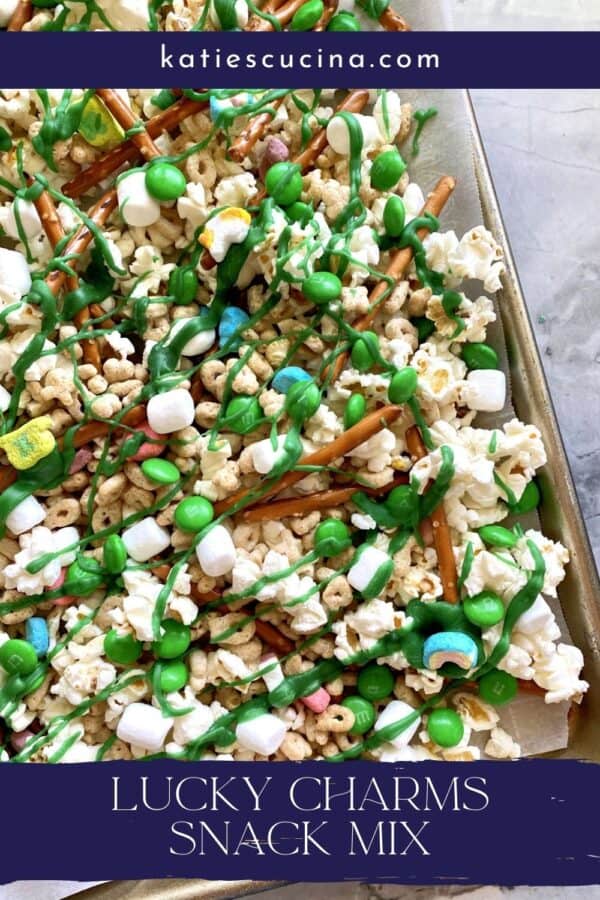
(338,134)
(264,456)
(536,618)
(7,8)
(135,203)
(145,539)
(127,15)
(371,566)
(263,734)
(15,278)
(197,345)
(170,411)
(216,552)
(485,390)
(4,399)
(144,726)
(228,227)
(274,676)
(28,217)
(25,516)
(394,712)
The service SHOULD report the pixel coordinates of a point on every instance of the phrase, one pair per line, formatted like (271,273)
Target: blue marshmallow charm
(450,647)
(290,375)
(232,319)
(36,632)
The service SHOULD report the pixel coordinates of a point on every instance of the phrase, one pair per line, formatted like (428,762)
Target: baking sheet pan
(561,519)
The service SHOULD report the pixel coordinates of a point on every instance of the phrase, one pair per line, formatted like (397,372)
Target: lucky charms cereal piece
(232,319)
(318,701)
(449,647)
(30,443)
(98,126)
(36,632)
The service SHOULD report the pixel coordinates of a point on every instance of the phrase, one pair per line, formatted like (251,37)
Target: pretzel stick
(257,23)
(83,237)
(441,532)
(399,263)
(328,14)
(274,638)
(342,445)
(128,151)
(128,122)
(253,132)
(22,14)
(299,506)
(53,228)
(392,21)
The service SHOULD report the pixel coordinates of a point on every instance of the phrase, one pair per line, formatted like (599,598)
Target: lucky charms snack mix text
(247,508)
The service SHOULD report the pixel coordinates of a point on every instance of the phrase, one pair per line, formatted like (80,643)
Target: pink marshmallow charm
(61,601)
(317,701)
(80,460)
(149,450)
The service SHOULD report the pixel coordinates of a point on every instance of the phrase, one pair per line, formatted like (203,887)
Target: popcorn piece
(228,227)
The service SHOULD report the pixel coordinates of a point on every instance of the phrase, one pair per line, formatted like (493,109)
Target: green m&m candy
(403,503)
(497,536)
(484,610)
(387,170)
(122,649)
(114,554)
(362,355)
(344,21)
(307,16)
(394,216)
(165,182)
(375,682)
(498,687)
(193,514)
(530,500)
(425,327)
(84,576)
(242,415)
(302,400)
(355,409)
(445,727)
(173,676)
(18,657)
(322,287)
(300,212)
(174,641)
(161,471)
(332,537)
(363,712)
(183,285)
(479,356)
(402,385)
(283,182)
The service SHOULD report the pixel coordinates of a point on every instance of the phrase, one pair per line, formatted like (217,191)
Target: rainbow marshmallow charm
(30,443)
(450,647)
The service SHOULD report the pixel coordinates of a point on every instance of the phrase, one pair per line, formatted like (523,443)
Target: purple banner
(229,60)
(529,822)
